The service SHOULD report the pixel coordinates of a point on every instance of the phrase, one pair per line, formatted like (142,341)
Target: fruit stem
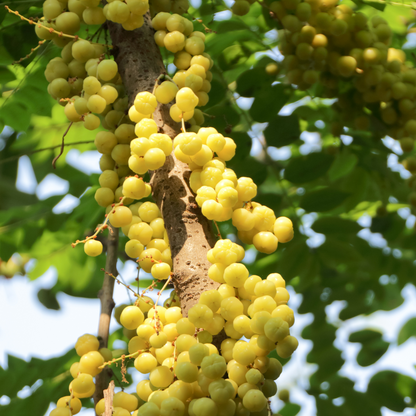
(123,357)
(161,290)
(103,226)
(218,230)
(49,29)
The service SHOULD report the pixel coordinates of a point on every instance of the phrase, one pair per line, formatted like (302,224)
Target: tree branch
(140,64)
(107,304)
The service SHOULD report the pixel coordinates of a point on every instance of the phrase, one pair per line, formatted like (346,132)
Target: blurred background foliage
(323,183)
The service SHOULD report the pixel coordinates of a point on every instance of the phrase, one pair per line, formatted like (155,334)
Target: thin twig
(49,29)
(161,290)
(101,227)
(123,357)
(11,158)
(124,283)
(107,304)
(62,145)
(218,229)
(121,283)
(32,50)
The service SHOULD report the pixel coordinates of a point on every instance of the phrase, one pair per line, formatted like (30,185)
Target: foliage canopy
(284,139)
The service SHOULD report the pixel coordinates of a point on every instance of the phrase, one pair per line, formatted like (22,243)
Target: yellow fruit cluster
(100,93)
(329,42)
(186,370)
(177,35)
(143,224)
(129,12)
(88,86)
(67,16)
(222,196)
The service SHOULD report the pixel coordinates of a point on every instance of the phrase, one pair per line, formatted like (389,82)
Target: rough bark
(108,396)
(189,232)
(190,235)
(107,304)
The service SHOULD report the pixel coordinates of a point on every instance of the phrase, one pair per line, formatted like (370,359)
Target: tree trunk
(190,235)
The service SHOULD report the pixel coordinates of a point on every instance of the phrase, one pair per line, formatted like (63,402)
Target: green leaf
(48,299)
(335,225)
(19,40)
(208,9)
(232,57)
(357,183)
(373,346)
(6,75)
(322,200)
(257,171)
(282,130)
(219,46)
(375,4)
(224,115)
(322,334)
(290,266)
(364,336)
(5,58)
(390,225)
(268,102)
(408,330)
(19,199)
(329,360)
(15,114)
(230,26)
(272,201)
(336,251)
(217,93)
(396,17)
(3,13)
(30,98)
(248,81)
(340,385)
(243,142)
(343,164)
(290,409)
(371,353)
(21,373)
(354,309)
(308,168)
(384,387)
(37,403)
